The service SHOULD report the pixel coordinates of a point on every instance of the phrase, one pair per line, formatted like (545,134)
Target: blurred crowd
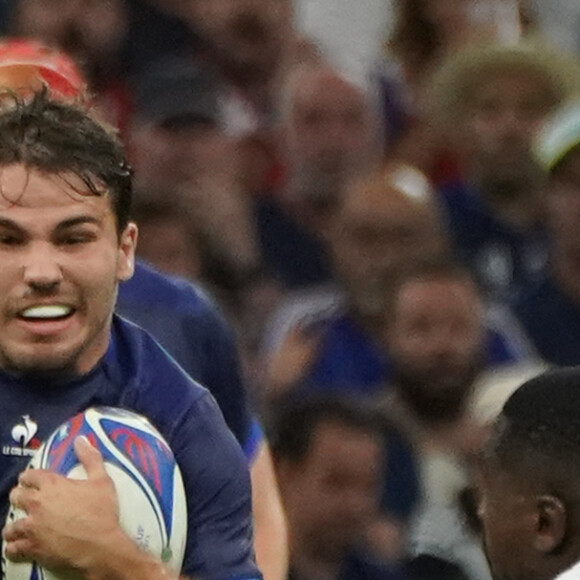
(383,199)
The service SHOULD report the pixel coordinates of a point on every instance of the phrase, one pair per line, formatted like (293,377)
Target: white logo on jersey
(23,434)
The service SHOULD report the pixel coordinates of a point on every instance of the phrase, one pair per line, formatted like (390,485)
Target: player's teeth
(48,311)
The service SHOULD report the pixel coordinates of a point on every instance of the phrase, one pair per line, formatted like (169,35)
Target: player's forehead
(26,188)
(493,467)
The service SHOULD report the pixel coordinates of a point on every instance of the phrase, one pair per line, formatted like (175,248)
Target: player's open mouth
(46,312)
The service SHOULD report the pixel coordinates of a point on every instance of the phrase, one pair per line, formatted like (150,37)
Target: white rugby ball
(152,504)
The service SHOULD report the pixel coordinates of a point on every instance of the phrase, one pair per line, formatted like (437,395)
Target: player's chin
(43,360)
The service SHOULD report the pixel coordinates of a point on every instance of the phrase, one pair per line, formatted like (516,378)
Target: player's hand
(293,360)
(66,520)
(73,525)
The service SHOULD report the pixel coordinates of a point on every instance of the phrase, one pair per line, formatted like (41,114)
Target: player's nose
(42,269)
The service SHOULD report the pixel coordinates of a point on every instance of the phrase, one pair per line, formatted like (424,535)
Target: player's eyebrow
(62,226)
(10,224)
(75,221)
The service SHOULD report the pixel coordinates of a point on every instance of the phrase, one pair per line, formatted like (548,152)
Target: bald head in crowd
(330,132)
(386,218)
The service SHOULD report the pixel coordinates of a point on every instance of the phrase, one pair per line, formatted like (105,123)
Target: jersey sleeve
(220,370)
(217,485)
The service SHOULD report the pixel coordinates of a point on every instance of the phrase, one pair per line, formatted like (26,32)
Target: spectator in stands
(329,134)
(425,32)
(167,238)
(438,343)
(550,309)
(435,335)
(94,34)
(385,218)
(489,101)
(250,43)
(328,455)
(179,147)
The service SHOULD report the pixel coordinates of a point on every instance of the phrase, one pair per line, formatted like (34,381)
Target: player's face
(61,259)
(508,524)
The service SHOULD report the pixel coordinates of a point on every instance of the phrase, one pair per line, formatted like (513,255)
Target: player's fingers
(91,458)
(33,477)
(21,497)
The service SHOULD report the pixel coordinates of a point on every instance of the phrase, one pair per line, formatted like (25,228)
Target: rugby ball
(152,505)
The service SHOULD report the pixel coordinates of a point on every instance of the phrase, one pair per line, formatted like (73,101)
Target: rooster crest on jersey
(23,435)
(147,479)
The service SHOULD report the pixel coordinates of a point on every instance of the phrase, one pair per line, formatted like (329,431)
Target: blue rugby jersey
(137,374)
(185,321)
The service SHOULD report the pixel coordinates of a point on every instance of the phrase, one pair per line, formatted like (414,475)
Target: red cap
(50,66)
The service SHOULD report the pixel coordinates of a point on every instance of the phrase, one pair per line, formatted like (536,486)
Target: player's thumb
(90,458)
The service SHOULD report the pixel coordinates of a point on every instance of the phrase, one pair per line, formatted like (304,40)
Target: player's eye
(77,238)
(10,240)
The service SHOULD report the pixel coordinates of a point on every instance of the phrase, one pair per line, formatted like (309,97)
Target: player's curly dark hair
(538,430)
(59,138)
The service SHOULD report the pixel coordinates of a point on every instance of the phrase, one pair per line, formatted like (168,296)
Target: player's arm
(217,486)
(271,540)
(73,525)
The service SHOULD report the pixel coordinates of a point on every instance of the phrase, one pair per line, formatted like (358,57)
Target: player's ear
(550,529)
(126,252)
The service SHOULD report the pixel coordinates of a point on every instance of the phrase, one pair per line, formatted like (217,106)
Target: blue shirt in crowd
(292,255)
(502,259)
(551,320)
(349,361)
